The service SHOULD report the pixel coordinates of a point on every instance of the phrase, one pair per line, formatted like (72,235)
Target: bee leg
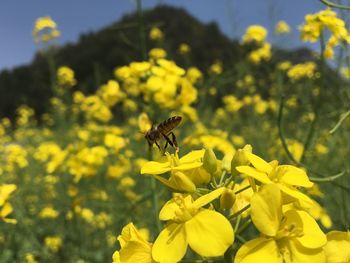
(168,141)
(157,145)
(174,140)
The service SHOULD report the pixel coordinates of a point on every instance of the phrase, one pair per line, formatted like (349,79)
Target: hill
(96,54)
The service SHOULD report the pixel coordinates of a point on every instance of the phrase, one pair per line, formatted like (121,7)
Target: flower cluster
(45,30)
(257,34)
(314,28)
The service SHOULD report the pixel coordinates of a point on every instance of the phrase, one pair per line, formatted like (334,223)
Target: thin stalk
(340,122)
(154,197)
(329,178)
(52,70)
(237,223)
(244,226)
(324,178)
(155,203)
(312,128)
(331,4)
(239,212)
(243,189)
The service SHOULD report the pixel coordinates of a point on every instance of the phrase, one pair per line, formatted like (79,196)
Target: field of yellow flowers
(261,178)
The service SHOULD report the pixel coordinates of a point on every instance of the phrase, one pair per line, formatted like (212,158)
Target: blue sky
(78,16)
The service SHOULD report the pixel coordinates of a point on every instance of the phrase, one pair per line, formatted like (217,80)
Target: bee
(163,130)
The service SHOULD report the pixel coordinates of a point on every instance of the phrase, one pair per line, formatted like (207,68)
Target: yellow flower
(316,23)
(48,212)
(156,34)
(303,70)
(54,243)
(157,53)
(293,236)
(134,247)
(282,27)
(254,33)
(337,248)
(144,122)
(190,225)
(184,49)
(262,53)
(45,29)
(30,258)
(216,68)
(286,177)
(178,180)
(5,191)
(65,76)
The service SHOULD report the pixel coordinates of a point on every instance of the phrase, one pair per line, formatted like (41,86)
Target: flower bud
(210,161)
(181,182)
(240,159)
(227,198)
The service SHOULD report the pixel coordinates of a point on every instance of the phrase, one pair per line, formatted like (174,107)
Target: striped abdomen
(166,126)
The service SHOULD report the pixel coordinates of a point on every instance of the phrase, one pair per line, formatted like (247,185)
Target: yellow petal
(312,237)
(299,254)
(5,191)
(337,248)
(116,257)
(259,163)
(258,250)
(209,233)
(252,172)
(6,209)
(155,168)
(294,176)
(168,210)
(266,209)
(171,245)
(187,166)
(192,156)
(295,193)
(135,251)
(206,199)
(130,233)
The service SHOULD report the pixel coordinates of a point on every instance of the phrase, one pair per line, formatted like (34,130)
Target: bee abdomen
(166,126)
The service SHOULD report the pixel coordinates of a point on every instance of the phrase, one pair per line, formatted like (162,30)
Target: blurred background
(81,82)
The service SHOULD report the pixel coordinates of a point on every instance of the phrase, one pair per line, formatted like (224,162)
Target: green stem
(340,122)
(239,212)
(290,155)
(243,189)
(244,226)
(241,239)
(52,70)
(330,4)
(329,178)
(155,203)
(237,223)
(154,197)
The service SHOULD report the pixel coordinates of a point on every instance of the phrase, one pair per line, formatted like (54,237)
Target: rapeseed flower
(188,225)
(183,172)
(337,249)
(134,247)
(286,177)
(254,33)
(292,236)
(282,27)
(65,76)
